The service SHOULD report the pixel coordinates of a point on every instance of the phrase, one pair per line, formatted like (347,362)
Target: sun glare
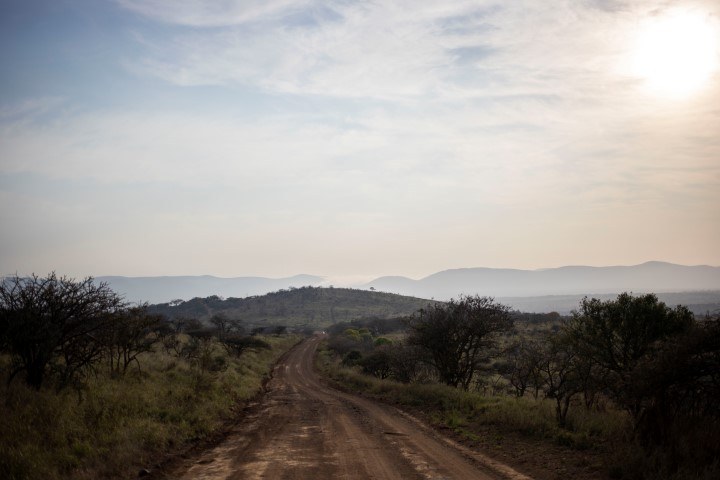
(677,53)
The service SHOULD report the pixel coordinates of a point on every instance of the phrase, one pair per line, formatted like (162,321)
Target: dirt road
(304,430)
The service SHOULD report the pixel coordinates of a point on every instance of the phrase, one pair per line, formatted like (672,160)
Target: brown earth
(303,429)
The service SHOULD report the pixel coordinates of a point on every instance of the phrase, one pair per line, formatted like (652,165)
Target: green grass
(114,426)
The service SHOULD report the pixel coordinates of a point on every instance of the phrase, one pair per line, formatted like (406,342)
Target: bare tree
(54,325)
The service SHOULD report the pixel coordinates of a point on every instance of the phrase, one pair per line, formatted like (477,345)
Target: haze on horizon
(353,139)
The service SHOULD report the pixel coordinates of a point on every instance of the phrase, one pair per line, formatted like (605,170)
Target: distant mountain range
(654,277)
(553,289)
(166,289)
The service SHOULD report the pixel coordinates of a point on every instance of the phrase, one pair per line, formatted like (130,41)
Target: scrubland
(545,394)
(114,425)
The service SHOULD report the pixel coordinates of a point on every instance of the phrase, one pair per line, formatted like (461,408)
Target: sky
(356,139)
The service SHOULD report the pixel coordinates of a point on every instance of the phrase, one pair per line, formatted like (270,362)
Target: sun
(677,52)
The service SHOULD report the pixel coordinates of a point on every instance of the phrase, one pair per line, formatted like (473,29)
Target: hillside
(305,306)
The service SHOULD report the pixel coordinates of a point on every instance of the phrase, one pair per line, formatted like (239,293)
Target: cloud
(352,127)
(397,161)
(396,50)
(200,13)
(364,55)
(408,51)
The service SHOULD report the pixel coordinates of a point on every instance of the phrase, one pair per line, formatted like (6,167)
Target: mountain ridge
(652,276)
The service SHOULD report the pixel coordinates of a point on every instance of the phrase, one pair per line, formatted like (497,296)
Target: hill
(654,277)
(301,307)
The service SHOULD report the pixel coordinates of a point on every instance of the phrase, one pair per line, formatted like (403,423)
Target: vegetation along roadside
(95,388)
(623,388)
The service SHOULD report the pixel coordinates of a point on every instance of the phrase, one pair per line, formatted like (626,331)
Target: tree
(132,333)
(616,335)
(378,363)
(224,325)
(408,363)
(559,368)
(221,323)
(526,357)
(458,336)
(199,349)
(54,325)
(678,388)
(235,344)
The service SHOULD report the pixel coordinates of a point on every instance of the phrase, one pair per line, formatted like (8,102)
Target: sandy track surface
(303,429)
